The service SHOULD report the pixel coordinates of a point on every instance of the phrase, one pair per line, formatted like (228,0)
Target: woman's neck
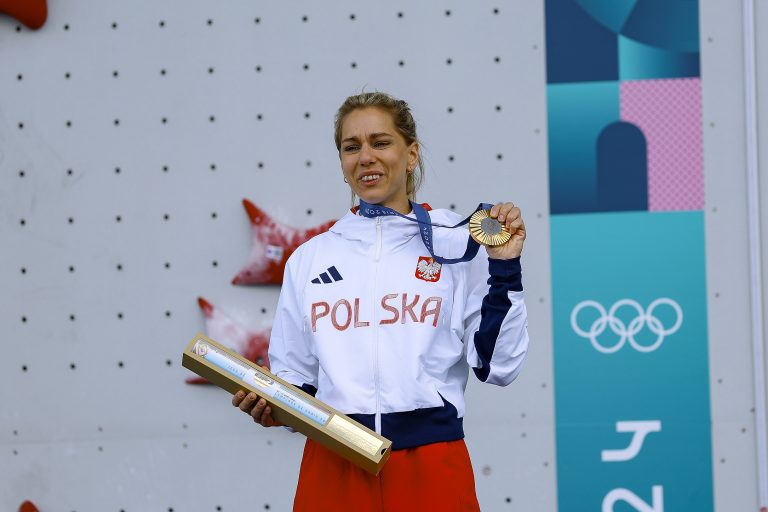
(401,205)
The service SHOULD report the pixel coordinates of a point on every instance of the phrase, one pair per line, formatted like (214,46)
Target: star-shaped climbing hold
(253,345)
(31,13)
(273,243)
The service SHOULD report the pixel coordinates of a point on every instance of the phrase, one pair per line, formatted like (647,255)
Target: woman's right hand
(256,407)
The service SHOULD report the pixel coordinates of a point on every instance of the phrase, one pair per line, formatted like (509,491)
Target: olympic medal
(486,230)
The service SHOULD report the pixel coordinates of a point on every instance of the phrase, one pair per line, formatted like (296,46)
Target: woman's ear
(413,155)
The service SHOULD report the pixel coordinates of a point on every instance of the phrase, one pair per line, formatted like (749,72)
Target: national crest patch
(427,269)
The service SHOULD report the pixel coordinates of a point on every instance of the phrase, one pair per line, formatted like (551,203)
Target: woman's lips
(369,180)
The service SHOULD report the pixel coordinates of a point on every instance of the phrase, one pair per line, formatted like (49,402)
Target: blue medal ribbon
(425,227)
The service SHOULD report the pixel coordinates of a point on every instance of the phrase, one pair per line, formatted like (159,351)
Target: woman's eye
(347,149)
(381,144)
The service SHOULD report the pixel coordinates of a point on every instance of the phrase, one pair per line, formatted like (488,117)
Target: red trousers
(431,477)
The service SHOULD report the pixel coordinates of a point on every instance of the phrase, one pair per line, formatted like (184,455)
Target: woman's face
(375,158)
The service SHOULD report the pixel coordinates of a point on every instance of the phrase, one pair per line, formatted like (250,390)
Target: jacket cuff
(507,273)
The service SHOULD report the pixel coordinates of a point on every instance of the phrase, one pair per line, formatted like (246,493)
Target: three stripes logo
(331,276)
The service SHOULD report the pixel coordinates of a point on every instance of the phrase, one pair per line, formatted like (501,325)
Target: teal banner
(632,401)
(628,269)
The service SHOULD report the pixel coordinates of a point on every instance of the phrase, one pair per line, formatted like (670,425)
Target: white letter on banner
(641,429)
(631,498)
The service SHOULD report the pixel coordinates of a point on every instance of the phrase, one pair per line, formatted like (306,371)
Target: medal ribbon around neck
(425,227)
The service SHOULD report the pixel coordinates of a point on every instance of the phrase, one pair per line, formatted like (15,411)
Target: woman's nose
(366,155)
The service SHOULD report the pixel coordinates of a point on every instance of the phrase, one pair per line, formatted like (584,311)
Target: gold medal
(486,230)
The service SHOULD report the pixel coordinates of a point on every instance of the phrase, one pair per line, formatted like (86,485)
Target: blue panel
(668,24)
(639,61)
(577,115)
(579,49)
(610,13)
(622,168)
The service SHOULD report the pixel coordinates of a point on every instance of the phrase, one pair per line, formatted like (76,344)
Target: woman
(379,331)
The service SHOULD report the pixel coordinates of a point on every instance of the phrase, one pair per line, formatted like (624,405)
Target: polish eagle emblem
(428,269)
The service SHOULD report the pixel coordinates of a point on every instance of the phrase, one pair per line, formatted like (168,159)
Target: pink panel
(669,114)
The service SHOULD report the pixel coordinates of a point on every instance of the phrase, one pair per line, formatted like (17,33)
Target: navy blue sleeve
(505,276)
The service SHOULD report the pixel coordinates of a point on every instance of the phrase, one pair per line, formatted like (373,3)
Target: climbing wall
(131,133)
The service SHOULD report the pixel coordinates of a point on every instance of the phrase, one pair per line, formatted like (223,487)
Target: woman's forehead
(367,121)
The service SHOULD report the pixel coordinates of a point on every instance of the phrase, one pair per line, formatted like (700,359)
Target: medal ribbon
(425,227)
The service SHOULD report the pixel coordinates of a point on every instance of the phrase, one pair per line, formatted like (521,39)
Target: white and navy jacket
(368,323)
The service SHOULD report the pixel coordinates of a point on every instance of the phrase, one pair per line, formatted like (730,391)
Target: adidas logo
(328,277)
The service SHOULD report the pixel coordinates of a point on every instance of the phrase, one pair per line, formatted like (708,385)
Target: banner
(628,263)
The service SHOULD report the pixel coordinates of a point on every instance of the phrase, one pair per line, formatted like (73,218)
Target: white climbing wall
(130,133)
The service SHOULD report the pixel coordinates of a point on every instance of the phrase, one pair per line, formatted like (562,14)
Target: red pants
(432,477)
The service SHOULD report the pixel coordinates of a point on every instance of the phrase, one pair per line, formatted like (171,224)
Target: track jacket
(370,325)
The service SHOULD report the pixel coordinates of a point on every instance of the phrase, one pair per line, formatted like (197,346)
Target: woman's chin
(370,197)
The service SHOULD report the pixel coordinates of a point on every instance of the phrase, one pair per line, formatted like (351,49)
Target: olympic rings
(626,332)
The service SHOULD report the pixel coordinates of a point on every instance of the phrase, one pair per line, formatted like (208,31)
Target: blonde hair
(402,119)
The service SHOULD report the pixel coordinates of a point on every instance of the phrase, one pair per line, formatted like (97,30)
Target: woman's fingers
(266,418)
(256,407)
(508,214)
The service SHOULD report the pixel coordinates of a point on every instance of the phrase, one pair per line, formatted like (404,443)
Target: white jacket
(381,333)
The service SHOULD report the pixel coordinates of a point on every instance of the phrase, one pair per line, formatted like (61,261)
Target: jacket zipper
(376,328)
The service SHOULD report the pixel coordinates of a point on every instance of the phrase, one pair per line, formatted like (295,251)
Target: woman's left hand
(509,215)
